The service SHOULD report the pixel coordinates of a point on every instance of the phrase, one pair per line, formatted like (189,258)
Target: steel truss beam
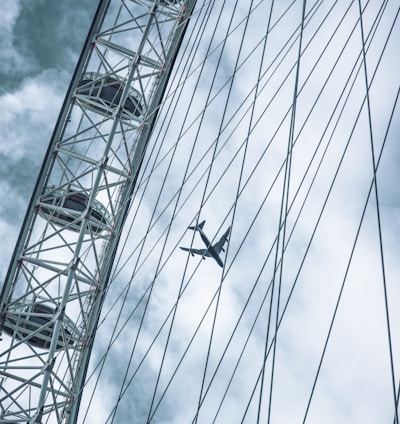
(58,277)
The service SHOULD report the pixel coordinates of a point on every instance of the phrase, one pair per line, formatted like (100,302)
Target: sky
(38,56)
(331,357)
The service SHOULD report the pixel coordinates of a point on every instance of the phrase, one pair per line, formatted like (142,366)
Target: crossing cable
(378,216)
(126,290)
(314,11)
(151,413)
(188,64)
(207,183)
(355,241)
(202,397)
(166,345)
(336,308)
(372,183)
(259,119)
(319,218)
(282,223)
(201,65)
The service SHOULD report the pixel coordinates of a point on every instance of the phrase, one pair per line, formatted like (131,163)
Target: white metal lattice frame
(56,283)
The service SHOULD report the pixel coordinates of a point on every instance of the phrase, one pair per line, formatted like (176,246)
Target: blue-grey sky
(40,43)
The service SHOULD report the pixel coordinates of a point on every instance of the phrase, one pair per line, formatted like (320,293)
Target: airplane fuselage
(210,248)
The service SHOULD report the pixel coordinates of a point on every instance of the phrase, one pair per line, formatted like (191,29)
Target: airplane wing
(203,252)
(220,244)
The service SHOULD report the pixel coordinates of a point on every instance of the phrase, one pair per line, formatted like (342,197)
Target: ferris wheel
(212,236)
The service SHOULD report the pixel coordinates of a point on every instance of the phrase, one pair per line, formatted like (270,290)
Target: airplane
(212,250)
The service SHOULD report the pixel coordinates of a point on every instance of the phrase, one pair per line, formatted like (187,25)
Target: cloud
(26,125)
(354,384)
(11,59)
(32,37)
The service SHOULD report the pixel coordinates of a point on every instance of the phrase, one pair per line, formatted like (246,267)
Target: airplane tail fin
(197,227)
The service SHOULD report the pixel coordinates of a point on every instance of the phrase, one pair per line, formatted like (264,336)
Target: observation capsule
(102,94)
(34,324)
(63,207)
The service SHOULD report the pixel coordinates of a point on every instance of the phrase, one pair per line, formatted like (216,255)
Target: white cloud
(12,60)
(29,114)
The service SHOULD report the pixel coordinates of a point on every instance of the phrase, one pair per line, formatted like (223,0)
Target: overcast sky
(40,43)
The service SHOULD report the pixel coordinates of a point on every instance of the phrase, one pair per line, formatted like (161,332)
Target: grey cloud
(45,34)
